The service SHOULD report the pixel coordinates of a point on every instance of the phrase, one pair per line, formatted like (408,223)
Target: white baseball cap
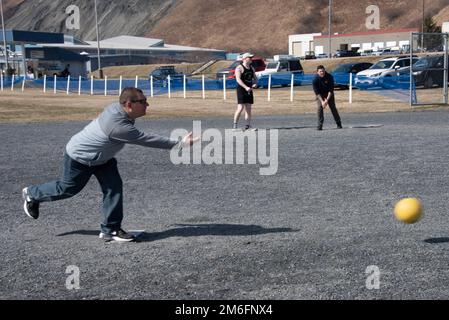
(247,55)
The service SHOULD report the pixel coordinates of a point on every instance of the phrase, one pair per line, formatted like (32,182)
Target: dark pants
(74,177)
(334,111)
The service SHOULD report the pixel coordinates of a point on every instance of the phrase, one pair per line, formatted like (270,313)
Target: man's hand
(325,104)
(189,140)
(255,86)
(249,89)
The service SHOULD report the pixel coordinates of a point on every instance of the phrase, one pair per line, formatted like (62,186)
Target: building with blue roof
(50,53)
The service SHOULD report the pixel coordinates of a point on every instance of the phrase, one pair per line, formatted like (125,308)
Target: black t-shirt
(322,86)
(247,76)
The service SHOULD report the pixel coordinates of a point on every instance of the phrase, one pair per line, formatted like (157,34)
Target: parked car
(398,69)
(281,66)
(429,71)
(383,68)
(310,55)
(162,73)
(258,64)
(355,67)
(342,70)
(346,53)
(322,56)
(389,51)
(367,52)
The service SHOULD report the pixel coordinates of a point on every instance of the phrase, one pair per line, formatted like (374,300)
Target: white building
(298,44)
(369,40)
(445,27)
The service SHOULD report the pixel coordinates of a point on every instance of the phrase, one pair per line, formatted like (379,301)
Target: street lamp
(4,36)
(98,41)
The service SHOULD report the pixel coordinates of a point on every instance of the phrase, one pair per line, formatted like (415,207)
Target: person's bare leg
(237,114)
(248,115)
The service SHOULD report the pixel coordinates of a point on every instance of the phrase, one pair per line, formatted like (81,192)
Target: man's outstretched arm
(132,135)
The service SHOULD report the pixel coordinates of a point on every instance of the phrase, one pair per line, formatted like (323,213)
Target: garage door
(297,49)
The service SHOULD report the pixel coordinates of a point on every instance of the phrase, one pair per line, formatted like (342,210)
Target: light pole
(330,29)
(4,37)
(98,42)
(422,27)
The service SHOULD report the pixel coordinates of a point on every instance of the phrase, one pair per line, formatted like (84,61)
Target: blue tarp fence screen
(394,86)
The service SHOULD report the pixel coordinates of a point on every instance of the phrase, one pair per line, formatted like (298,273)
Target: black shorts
(244,97)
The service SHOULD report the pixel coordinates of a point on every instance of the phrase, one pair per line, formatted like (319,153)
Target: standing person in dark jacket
(245,75)
(91,152)
(323,86)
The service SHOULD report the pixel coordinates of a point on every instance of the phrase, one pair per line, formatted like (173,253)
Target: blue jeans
(74,177)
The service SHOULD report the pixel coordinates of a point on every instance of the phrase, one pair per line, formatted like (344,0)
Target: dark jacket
(322,86)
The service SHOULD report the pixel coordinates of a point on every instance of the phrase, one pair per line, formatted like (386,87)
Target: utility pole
(330,29)
(100,71)
(4,37)
(422,26)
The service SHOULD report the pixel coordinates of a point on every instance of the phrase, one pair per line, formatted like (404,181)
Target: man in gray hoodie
(91,152)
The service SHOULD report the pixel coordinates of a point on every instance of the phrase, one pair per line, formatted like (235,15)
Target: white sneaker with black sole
(30,207)
(249,128)
(119,236)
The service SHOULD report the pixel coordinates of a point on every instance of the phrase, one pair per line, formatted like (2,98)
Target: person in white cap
(245,76)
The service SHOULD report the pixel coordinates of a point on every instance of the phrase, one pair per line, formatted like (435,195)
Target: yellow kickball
(408,210)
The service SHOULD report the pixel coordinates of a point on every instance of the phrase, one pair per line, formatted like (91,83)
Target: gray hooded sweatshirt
(101,139)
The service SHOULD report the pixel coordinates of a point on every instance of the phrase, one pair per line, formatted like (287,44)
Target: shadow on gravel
(195,230)
(291,128)
(437,240)
(80,232)
(363,126)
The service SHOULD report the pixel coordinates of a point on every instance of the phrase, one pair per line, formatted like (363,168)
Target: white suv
(383,68)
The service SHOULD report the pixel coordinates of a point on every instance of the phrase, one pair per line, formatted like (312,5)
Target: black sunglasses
(142,101)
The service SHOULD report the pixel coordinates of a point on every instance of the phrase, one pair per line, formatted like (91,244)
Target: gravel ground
(224,231)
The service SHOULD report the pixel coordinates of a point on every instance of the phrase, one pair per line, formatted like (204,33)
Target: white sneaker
(30,207)
(249,128)
(119,236)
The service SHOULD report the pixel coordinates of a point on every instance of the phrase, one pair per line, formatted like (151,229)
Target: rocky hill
(261,26)
(115,17)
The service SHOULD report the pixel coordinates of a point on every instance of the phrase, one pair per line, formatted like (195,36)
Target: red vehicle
(258,64)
